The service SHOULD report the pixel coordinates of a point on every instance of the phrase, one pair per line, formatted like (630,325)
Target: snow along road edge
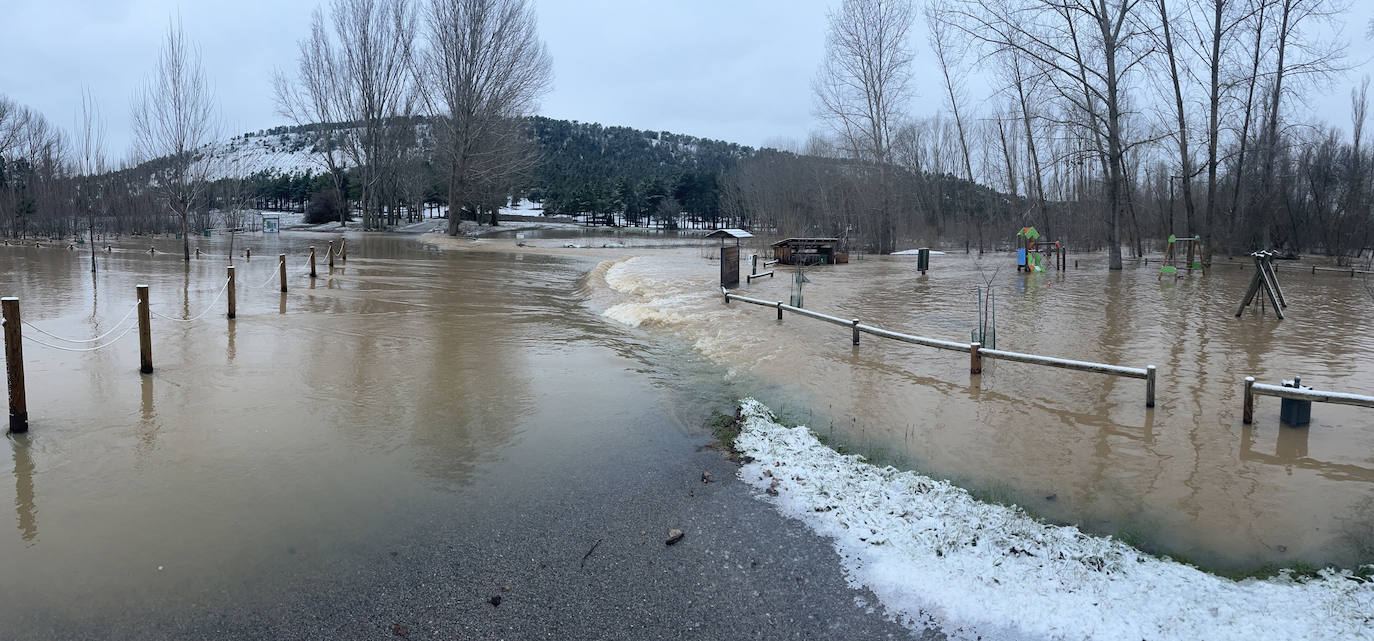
(938,558)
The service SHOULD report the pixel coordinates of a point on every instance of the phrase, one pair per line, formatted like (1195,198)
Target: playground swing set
(1194,260)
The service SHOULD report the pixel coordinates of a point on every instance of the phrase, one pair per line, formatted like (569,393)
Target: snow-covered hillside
(276,153)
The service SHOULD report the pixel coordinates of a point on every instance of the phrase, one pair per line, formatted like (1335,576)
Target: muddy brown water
(1184,478)
(428,368)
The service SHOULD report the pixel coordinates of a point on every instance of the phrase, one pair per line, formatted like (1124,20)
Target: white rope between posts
(197,316)
(269,280)
(85,340)
(84,349)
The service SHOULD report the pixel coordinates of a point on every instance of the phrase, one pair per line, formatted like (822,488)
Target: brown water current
(318,430)
(429,373)
(1184,478)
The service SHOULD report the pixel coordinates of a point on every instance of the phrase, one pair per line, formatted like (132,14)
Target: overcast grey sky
(738,70)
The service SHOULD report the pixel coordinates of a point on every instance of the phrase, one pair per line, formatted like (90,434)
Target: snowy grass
(938,558)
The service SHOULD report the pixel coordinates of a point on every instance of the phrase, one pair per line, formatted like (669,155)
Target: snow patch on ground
(937,558)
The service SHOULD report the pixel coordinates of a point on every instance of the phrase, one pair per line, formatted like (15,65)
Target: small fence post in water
(197,252)
(331,255)
(248,254)
(312,262)
(855,323)
(14,365)
(779,310)
(975,358)
(145,334)
(281,271)
(343,249)
(231,284)
(1149,386)
(1247,410)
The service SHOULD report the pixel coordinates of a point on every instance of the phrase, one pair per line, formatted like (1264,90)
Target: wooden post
(1149,386)
(1247,410)
(331,255)
(281,271)
(231,292)
(248,254)
(343,249)
(779,310)
(312,262)
(14,365)
(197,252)
(855,323)
(975,358)
(145,334)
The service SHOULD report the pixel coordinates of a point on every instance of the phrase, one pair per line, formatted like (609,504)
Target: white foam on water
(937,558)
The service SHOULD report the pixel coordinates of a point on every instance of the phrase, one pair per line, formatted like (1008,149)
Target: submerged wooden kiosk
(729,254)
(809,251)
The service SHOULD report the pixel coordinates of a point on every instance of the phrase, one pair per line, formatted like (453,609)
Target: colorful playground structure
(1031,250)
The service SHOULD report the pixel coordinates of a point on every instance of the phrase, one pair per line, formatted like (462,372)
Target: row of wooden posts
(14,339)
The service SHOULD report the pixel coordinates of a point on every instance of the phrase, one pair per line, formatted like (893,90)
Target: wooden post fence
(281,271)
(1253,389)
(343,249)
(312,262)
(145,334)
(331,256)
(14,365)
(975,351)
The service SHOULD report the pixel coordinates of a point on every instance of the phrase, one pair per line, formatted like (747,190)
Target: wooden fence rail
(975,351)
(1253,389)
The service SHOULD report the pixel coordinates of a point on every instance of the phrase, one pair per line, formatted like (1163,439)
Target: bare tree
(374,61)
(485,67)
(863,85)
(1087,51)
(174,126)
(90,159)
(1181,132)
(315,97)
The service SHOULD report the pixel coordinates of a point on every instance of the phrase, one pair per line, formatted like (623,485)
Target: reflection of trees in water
(448,372)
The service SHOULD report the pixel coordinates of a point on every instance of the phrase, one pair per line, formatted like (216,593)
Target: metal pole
(14,365)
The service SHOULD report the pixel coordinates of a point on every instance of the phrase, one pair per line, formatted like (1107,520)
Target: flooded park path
(380,453)
(1185,478)
(485,395)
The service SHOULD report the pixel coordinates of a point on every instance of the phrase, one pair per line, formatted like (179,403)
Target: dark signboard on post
(729,266)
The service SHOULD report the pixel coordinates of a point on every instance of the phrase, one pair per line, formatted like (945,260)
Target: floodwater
(315,432)
(432,376)
(1185,478)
